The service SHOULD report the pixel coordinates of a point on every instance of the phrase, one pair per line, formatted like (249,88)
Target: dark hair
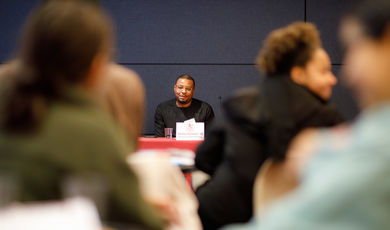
(185,76)
(373,15)
(287,47)
(60,42)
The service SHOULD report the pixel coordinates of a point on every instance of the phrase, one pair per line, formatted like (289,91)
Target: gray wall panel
(342,96)
(202,31)
(13,13)
(212,82)
(208,36)
(326,15)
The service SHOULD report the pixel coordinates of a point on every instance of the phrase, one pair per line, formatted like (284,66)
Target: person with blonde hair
(122,93)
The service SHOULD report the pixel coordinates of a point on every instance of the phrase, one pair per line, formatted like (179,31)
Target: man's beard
(184,102)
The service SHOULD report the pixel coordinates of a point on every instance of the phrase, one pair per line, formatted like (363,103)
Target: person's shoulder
(120,72)
(8,71)
(246,93)
(244,98)
(306,104)
(88,124)
(329,111)
(117,77)
(200,102)
(300,95)
(83,113)
(9,68)
(168,103)
(244,106)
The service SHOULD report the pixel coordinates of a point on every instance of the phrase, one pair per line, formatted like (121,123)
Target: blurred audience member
(345,184)
(122,93)
(49,126)
(163,185)
(259,122)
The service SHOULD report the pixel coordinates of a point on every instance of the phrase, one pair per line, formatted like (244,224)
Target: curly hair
(287,47)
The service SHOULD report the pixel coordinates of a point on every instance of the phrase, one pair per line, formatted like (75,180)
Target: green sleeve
(126,204)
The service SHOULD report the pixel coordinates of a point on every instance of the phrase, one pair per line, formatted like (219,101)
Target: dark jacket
(258,122)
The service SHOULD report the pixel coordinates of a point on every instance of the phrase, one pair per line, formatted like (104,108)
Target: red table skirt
(164,143)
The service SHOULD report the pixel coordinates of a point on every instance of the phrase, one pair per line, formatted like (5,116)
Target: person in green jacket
(51,130)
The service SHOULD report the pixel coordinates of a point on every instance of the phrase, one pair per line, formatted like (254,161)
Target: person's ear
(98,65)
(297,75)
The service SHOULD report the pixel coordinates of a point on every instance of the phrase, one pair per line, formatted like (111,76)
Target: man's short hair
(185,76)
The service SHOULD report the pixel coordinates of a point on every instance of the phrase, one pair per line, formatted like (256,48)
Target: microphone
(220,103)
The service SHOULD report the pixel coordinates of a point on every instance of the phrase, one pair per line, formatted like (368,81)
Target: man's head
(184,90)
(365,32)
(296,50)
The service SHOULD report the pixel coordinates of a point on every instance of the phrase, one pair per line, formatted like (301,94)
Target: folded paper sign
(190,130)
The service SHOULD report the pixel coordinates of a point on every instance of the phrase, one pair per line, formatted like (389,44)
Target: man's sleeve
(159,123)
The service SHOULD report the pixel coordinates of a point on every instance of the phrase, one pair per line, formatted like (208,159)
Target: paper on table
(189,131)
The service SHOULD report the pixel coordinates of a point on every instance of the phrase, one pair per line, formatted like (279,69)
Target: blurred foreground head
(65,45)
(296,50)
(365,32)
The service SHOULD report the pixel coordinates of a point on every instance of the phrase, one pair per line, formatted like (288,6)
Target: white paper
(189,131)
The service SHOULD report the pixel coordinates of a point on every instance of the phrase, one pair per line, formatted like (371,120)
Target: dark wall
(12,16)
(215,41)
(327,16)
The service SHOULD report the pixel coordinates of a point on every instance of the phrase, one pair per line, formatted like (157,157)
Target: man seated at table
(182,108)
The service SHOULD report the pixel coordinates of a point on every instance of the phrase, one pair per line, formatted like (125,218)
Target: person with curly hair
(345,185)
(259,122)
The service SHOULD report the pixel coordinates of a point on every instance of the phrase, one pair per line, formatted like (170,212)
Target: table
(164,143)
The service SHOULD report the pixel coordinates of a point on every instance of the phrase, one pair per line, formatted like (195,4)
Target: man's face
(184,90)
(367,65)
